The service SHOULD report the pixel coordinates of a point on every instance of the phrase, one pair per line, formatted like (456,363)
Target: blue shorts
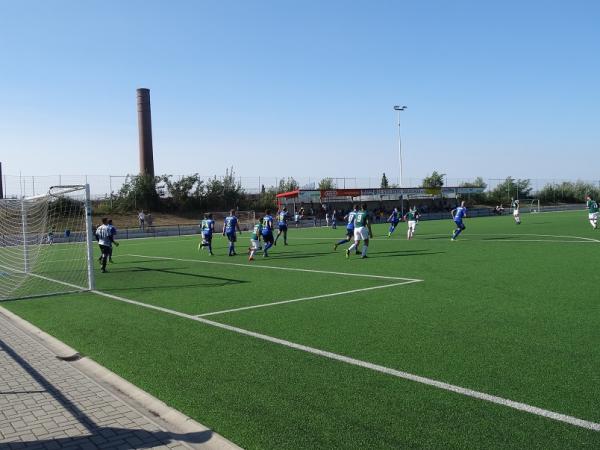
(231,236)
(459,224)
(282,227)
(395,222)
(207,236)
(350,232)
(268,237)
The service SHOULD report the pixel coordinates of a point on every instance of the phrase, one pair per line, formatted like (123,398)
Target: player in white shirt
(104,237)
(515,207)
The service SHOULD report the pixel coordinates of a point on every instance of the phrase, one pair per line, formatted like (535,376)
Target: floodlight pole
(401,181)
(400,109)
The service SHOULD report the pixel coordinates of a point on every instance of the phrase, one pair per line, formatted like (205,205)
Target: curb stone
(148,404)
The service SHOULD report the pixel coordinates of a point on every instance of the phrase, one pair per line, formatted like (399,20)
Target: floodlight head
(399,108)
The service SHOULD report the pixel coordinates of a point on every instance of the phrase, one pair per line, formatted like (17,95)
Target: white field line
(529,234)
(367,365)
(572,239)
(375,367)
(314,297)
(64,283)
(292,269)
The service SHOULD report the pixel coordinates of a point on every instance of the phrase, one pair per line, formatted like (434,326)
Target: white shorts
(516,213)
(412,224)
(254,244)
(593,216)
(361,234)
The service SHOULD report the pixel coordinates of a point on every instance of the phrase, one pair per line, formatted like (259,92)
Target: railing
(311,222)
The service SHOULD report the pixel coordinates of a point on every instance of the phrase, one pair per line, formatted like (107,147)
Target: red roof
(289,194)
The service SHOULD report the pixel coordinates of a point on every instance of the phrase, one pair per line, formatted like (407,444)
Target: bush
(567,192)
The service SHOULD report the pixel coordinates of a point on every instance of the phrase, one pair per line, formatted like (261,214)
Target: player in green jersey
(362,231)
(254,241)
(592,207)
(514,204)
(411,218)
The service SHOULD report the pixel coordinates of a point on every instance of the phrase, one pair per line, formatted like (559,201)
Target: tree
(510,188)
(223,193)
(326,184)
(138,192)
(185,191)
(384,182)
(567,192)
(476,183)
(435,180)
(287,185)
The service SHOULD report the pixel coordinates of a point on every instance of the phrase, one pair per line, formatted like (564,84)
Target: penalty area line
(571,420)
(260,266)
(302,299)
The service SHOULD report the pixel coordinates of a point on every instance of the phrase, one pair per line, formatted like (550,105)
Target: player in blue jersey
(282,225)
(230,227)
(207,229)
(394,220)
(350,219)
(113,234)
(267,232)
(458,214)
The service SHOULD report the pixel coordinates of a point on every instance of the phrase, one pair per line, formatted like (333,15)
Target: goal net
(45,243)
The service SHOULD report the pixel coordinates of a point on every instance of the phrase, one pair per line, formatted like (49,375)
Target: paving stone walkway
(46,403)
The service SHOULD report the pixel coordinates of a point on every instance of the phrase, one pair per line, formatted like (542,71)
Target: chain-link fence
(103,186)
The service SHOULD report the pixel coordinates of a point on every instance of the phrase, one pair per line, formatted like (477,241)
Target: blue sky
(303,88)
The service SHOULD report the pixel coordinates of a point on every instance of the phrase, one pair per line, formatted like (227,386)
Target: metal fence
(102,186)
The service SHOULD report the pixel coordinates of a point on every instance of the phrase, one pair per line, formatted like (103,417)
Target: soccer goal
(46,243)
(534,206)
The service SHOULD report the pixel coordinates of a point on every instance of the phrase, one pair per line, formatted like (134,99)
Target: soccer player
(50,238)
(458,214)
(334,220)
(592,207)
(229,229)
(267,232)
(104,241)
(254,241)
(515,206)
(362,231)
(350,218)
(394,219)
(207,229)
(113,233)
(411,218)
(282,219)
(142,219)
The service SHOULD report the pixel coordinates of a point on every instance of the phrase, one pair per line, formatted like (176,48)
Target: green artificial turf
(508,310)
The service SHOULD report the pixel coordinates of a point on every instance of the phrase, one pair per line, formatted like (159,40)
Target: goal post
(46,243)
(534,206)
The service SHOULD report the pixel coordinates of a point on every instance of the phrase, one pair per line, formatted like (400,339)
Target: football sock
(364,251)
